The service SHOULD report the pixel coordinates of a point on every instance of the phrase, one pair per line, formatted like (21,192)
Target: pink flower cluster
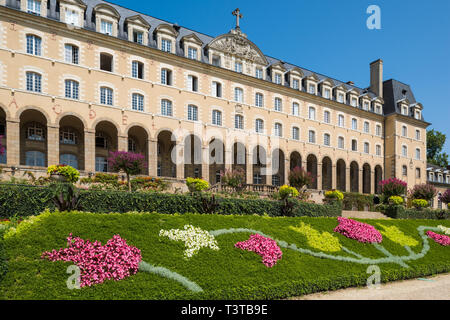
(439,238)
(265,247)
(359,231)
(115,260)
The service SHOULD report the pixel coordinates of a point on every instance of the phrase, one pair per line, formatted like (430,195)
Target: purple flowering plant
(128,162)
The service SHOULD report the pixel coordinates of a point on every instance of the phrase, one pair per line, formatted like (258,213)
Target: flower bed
(359,231)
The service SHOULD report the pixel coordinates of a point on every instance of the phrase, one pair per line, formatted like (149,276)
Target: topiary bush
(420,203)
(396,200)
(288,192)
(197,184)
(71,174)
(334,195)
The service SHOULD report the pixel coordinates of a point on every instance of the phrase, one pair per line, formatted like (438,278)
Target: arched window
(366,127)
(71,89)
(106,62)
(238,95)
(326,139)
(217,117)
(35,131)
(239,121)
(341,121)
(71,53)
(137,70)
(295,109)
(312,113)
(166,77)
(378,150)
(366,147)
(404,171)
(341,143)
(278,129)
(404,151)
(259,100)
(106,96)
(35,158)
(259,126)
(33,81)
(354,124)
(33,45)
(69,159)
(137,102)
(192,113)
(312,136)
(166,107)
(326,116)
(132,146)
(67,136)
(278,104)
(193,83)
(295,133)
(404,131)
(417,154)
(354,145)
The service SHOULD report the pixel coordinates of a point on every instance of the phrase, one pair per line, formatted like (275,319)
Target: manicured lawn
(228,273)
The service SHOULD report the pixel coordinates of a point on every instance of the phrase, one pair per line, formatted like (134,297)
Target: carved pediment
(238,45)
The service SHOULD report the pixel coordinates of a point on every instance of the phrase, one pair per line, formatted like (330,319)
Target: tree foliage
(128,162)
(435,144)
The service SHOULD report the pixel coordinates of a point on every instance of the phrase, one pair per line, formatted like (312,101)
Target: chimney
(351,83)
(376,77)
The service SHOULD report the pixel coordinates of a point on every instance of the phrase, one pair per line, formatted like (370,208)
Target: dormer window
(238,67)
(192,53)
(34,7)
(354,102)
(296,84)
(326,93)
(417,115)
(138,37)
(277,78)
(312,89)
(366,105)
(259,73)
(340,98)
(166,45)
(72,17)
(378,109)
(106,27)
(216,61)
(405,110)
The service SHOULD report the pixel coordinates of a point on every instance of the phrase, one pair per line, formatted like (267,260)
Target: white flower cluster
(194,239)
(444,230)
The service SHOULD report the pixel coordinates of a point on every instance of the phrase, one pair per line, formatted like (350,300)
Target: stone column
(89,150)
(122,143)
(268,169)
(287,169)
(372,182)
(205,162)
(152,157)
(249,167)
(180,160)
(361,180)
(13,142)
(348,182)
(319,176)
(333,177)
(228,159)
(52,145)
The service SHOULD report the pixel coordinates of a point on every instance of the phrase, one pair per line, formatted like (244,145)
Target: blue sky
(331,37)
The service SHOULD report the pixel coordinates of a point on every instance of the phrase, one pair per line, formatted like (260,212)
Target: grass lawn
(229,273)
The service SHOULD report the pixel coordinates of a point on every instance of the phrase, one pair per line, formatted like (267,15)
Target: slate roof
(392,88)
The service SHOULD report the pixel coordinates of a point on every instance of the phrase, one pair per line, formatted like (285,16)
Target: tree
(299,177)
(128,162)
(435,144)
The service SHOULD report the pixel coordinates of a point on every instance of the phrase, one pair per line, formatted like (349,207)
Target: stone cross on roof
(238,15)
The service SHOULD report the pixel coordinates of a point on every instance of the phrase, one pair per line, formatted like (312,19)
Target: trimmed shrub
(400,212)
(393,187)
(423,191)
(29,200)
(396,200)
(288,192)
(420,203)
(196,184)
(334,195)
(70,173)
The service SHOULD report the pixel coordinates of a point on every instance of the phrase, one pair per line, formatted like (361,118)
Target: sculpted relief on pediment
(238,46)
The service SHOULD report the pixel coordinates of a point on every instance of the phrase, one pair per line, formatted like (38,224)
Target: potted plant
(63,173)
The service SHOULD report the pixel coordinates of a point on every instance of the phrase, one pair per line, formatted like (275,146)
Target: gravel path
(430,288)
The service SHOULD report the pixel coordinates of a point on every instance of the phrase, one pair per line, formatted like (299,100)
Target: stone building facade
(79,79)
(440,179)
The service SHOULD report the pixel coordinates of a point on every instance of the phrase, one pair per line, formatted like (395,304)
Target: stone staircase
(363,215)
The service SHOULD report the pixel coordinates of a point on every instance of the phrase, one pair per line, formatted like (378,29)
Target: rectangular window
(354,145)
(378,150)
(192,53)
(106,27)
(312,89)
(278,104)
(296,84)
(259,126)
(192,113)
(327,94)
(277,78)
(166,45)
(217,89)
(341,143)
(138,37)
(326,139)
(238,67)
(259,100)
(378,130)
(166,77)
(366,127)
(238,95)
(354,102)
(354,124)
(366,147)
(312,136)
(417,135)
(312,114)
(340,98)
(326,117)
(34,7)
(216,61)
(193,83)
(341,121)
(278,130)
(106,96)
(166,108)
(72,17)
(259,73)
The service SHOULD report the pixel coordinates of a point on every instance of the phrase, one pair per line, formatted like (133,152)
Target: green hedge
(23,200)
(3,260)
(400,212)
